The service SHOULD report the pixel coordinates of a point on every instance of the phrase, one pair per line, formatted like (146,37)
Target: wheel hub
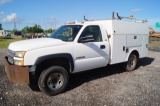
(55,81)
(131,62)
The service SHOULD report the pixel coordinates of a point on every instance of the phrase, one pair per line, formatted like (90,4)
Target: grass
(5,41)
(154,42)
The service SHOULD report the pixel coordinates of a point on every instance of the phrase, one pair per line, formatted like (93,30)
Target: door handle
(124,48)
(102,46)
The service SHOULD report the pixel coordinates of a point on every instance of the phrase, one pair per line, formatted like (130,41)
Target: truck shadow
(83,77)
(145,61)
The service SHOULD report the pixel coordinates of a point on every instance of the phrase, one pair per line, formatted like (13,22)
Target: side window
(93,30)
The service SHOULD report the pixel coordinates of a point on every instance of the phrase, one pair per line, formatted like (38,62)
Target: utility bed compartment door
(134,40)
(118,47)
(145,45)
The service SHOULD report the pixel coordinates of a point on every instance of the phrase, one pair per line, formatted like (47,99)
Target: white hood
(26,45)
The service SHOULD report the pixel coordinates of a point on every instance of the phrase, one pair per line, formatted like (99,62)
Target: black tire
(53,81)
(131,64)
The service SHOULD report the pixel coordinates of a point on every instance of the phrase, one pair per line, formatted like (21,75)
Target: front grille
(10,60)
(10,53)
(10,56)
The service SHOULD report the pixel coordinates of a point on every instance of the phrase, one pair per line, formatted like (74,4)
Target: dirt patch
(104,86)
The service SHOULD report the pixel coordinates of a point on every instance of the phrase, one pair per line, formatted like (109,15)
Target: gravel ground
(109,86)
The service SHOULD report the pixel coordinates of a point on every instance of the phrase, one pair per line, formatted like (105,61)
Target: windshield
(66,33)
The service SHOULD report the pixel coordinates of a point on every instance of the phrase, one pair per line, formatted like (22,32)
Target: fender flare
(132,51)
(54,56)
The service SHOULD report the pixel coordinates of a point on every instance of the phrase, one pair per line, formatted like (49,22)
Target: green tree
(35,29)
(26,29)
(49,30)
(1,27)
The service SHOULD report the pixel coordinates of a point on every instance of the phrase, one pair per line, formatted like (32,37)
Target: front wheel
(53,81)
(131,64)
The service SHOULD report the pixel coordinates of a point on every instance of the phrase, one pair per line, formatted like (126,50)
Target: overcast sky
(53,13)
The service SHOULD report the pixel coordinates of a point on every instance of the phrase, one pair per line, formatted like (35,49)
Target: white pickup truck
(76,47)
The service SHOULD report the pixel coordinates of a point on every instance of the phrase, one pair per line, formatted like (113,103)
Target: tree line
(34,29)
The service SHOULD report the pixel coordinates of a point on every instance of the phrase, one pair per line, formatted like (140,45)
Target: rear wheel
(131,64)
(54,80)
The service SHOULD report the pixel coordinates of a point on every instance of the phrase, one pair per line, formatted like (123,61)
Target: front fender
(54,56)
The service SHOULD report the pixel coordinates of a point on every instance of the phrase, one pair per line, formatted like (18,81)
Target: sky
(54,13)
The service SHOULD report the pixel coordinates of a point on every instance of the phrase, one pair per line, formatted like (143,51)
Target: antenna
(54,23)
(15,25)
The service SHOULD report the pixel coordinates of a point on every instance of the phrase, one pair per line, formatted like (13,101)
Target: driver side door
(91,52)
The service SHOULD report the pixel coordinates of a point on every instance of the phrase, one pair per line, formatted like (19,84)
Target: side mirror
(87,38)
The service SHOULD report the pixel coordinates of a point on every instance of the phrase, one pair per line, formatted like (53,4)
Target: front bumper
(16,73)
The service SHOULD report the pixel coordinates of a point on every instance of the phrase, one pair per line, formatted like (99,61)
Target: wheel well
(136,53)
(52,62)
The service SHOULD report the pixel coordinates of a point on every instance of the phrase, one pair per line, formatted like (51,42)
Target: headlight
(19,54)
(19,62)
